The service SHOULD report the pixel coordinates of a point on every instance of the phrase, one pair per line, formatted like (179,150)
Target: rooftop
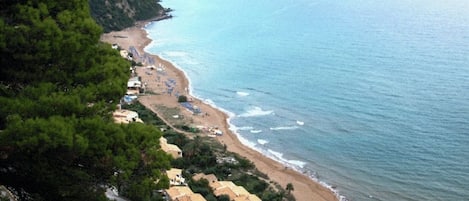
(237,193)
(210,177)
(183,193)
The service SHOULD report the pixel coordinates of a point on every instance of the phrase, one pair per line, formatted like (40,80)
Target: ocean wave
(279,157)
(262,141)
(284,128)
(243,128)
(256,111)
(211,103)
(242,93)
(257,90)
(227,90)
(255,131)
(246,142)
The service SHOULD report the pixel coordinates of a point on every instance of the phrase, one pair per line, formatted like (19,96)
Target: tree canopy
(119,14)
(58,87)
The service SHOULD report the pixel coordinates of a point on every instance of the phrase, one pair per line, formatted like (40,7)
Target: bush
(182,99)
(223,198)
(200,186)
(146,115)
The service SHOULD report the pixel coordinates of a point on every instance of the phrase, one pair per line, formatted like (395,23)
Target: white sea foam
(299,167)
(243,140)
(246,141)
(262,141)
(211,103)
(255,131)
(244,128)
(296,164)
(241,93)
(284,128)
(256,111)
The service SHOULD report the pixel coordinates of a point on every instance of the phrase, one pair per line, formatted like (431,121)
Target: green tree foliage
(182,99)
(47,41)
(119,14)
(198,155)
(201,186)
(289,188)
(176,138)
(146,115)
(223,198)
(251,183)
(58,86)
(201,157)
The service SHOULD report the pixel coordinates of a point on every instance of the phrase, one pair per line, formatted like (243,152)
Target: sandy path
(305,188)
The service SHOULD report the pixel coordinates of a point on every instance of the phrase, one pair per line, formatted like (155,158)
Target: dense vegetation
(200,156)
(58,87)
(204,155)
(119,14)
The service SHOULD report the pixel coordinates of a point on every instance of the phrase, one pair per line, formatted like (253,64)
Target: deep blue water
(382,87)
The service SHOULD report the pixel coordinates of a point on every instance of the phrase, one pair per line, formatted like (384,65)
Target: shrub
(182,99)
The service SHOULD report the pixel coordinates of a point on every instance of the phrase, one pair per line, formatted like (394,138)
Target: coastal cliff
(119,14)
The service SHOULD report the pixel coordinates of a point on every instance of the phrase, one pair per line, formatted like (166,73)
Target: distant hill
(120,14)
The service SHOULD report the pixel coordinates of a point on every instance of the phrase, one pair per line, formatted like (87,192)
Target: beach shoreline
(160,101)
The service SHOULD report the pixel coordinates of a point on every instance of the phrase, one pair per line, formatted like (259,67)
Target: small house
(183,193)
(236,193)
(125,117)
(175,177)
(171,149)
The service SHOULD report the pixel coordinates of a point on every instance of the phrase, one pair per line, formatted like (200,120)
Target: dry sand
(166,106)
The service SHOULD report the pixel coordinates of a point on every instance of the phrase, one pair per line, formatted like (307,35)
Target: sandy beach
(166,106)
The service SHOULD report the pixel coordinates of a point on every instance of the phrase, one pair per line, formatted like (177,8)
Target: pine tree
(58,87)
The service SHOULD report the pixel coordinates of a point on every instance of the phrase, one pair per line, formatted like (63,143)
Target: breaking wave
(262,141)
(244,128)
(256,111)
(255,131)
(279,157)
(284,128)
(241,93)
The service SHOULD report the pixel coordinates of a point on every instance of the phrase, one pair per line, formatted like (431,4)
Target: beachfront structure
(125,117)
(171,149)
(175,177)
(125,54)
(183,193)
(236,193)
(209,177)
(133,86)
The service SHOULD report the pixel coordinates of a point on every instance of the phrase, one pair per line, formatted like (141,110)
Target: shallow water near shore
(369,97)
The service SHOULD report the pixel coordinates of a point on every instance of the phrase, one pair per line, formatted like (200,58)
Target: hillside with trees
(58,87)
(120,14)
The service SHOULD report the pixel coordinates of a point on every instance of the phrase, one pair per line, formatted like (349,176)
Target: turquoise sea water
(371,97)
